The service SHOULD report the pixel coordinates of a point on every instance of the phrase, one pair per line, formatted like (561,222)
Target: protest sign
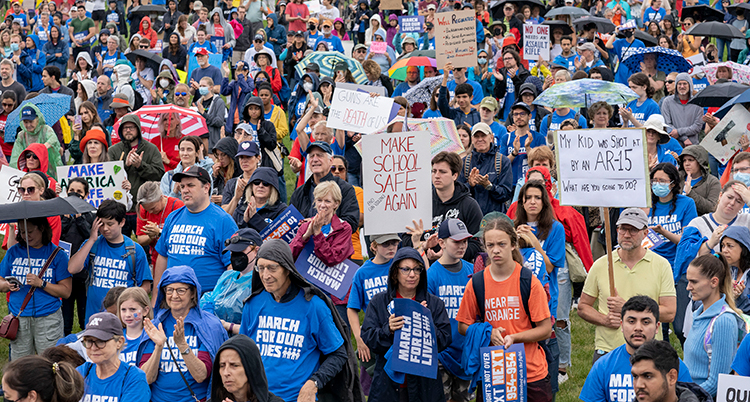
(456,38)
(335,280)
(105,180)
(284,227)
(733,388)
(410,23)
(652,239)
(504,373)
(365,88)
(378,47)
(390,5)
(723,141)
(414,345)
(65,246)
(9,179)
(313,6)
(603,168)
(535,42)
(358,111)
(396,180)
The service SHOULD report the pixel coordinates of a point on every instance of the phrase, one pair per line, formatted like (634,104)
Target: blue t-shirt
(208,71)
(534,261)
(552,121)
(108,62)
(663,156)
(554,247)
(741,363)
(684,212)
(369,280)
(291,338)
(642,112)
(622,49)
(510,97)
(477,95)
(610,379)
(129,353)
(700,84)
(169,386)
(520,164)
(113,267)
(653,15)
(674,146)
(498,130)
(128,384)
(197,240)
(567,61)
(208,45)
(16,264)
(432,114)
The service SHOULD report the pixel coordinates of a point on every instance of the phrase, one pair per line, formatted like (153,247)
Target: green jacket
(151,169)
(43,134)
(745,51)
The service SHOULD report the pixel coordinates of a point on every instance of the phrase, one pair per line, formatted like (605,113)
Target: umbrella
(702,13)
(328,60)
(149,9)
(647,39)
(398,71)
(444,134)
(718,94)
(740,72)
(739,6)
(715,29)
(603,25)
(741,98)
(584,92)
(667,60)
(192,122)
(52,106)
(423,53)
(574,12)
(567,30)
(497,8)
(153,60)
(42,209)
(422,92)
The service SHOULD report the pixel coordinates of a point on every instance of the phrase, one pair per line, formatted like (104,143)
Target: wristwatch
(488,186)
(184,352)
(44,284)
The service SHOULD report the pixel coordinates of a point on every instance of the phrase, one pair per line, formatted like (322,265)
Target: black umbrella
(149,9)
(739,6)
(718,94)
(603,25)
(497,8)
(716,29)
(567,10)
(702,13)
(153,60)
(567,30)
(423,53)
(42,209)
(647,39)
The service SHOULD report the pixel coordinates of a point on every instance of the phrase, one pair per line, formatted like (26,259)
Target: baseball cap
(258,37)
(74,8)
(312,66)
(197,5)
(241,239)
(453,229)
(431,6)
(28,114)
(361,46)
(482,128)
(103,326)
(324,146)
(587,46)
(527,88)
(313,20)
(119,100)
(299,33)
(248,148)
(634,217)
(521,105)
(193,171)
(384,238)
(489,103)
(429,25)
(201,51)
(326,23)
(340,66)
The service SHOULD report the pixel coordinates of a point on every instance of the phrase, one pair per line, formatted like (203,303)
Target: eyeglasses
(31,156)
(260,183)
(270,268)
(667,182)
(628,231)
(14,400)
(180,291)
(335,168)
(8,104)
(129,127)
(26,190)
(180,94)
(519,114)
(407,270)
(745,169)
(88,343)
(238,239)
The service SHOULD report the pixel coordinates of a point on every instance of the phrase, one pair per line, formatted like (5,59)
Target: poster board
(723,141)
(391,5)
(365,88)
(214,59)
(396,181)
(358,111)
(414,345)
(535,42)
(603,167)
(105,180)
(284,227)
(411,24)
(456,38)
(732,388)
(504,373)
(335,280)
(378,47)
(9,179)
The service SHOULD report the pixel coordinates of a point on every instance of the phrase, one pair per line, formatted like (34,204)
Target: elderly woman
(41,322)
(261,203)
(375,76)
(192,338)
(153,209)
(105,375)
(238,373)
(281,294)
(599,114)
(407,278)
(168,141)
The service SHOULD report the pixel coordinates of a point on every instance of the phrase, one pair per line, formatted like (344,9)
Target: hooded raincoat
(687,119)
(741,235)
(228,38)
(30,69)
(267,213)
(42,134)
(278,33)
(265,134)
(251,363)
(149,32)
(705,193)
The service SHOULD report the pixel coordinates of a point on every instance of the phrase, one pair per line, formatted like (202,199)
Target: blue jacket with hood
(50,50)
(31,66)
(299,94)
(277,32)
(740,234)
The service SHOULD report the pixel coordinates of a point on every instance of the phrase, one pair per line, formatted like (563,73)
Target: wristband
(231,327)
(184,352)
(44,284)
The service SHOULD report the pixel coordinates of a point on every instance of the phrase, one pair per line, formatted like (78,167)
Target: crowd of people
(178,296)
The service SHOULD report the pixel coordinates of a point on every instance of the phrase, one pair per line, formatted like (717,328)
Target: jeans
(282,188)
(354,179)
(564,299)
(553,365)
(683,298)
(721,44)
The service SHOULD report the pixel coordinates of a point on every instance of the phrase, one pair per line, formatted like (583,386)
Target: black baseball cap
(193,171)
(521,105)
(241,239)
(324,146)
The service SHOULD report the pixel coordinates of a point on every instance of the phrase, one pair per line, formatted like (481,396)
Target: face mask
(14,47)
(239,261)
(660,189)
(628,33)
(307,86)
(311,27)
(203,91)
(164,82)
(743,177)
(482,61)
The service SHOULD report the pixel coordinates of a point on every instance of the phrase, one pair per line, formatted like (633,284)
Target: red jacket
(332,249)
(149,33)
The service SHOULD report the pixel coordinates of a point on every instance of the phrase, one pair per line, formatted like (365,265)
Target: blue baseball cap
(28,114)
(248,148)
(324,146)
(241,239)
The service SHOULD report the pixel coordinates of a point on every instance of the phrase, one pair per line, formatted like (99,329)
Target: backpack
(498,163)
(741,330)
(477,284)
(129,246)
(285,92)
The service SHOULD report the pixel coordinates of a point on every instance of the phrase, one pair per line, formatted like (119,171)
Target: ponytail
(52,381)
(716,265)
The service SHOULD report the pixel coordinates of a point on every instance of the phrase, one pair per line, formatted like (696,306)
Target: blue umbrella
(52,106)
(667,60)
(741,98)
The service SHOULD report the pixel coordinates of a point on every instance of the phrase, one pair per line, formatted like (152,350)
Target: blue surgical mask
(482,61)
(14,47)
(743,177)
(660,189)
(203,91)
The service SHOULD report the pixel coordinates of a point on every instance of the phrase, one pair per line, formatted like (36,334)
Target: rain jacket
(502,180)
(300,93)
(266,132)
(253,366)
(277,32)
(274,78)
(348,210)
(43,134)
(266,213)
(124,83)
(344,384)
(207,326)
(216,116)
(687,119)
(168,97)
(228,30)
(41,152)
(333,248)
(151,169)
(369,32)
(229,146)
(148,33)
(378,337)
(30,69)
(51,49)
(382,61)
(102,104)
(237,89)
(705,193)
(740,234)
(743,59)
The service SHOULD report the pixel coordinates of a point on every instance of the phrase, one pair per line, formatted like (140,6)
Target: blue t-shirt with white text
(369,280)
(520,164)
(642,112)
(552,121)
(127,384)
(16,264)
(674,222)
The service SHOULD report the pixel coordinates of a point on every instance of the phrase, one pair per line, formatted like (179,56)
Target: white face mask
(308,86)
(164,82)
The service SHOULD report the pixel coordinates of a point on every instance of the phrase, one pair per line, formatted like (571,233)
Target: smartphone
(14,281)
(78,121)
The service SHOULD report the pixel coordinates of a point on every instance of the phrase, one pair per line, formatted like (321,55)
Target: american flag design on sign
(192,122)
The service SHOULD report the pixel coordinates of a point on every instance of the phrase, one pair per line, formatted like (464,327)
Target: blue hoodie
(31,66)
(740,234)
(50,50)
(277,32)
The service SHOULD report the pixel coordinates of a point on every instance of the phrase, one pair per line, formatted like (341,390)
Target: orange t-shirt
(504,308)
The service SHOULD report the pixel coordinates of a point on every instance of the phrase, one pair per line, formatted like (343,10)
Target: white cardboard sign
(358,111)
(536,42)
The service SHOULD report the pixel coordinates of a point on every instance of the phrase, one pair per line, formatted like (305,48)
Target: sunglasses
(26,190)
(180,94)
(669,81)
(260,183)
(338,168)
(8,104)
(31,156)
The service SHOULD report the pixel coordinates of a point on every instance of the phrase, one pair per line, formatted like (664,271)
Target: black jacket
(348,211)
(495,198)
(245,40)
(254,370)
(266,132)
(229,146)
(178,59)
(518,80)
(378,337)
(268,213)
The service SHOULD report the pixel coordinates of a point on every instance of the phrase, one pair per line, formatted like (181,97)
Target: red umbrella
(192,122)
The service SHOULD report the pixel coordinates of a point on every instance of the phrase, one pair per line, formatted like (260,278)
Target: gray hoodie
(228,30)
(687,119)
(705,193)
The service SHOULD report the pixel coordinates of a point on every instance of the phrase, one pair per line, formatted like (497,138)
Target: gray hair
(149,192)
(7,62)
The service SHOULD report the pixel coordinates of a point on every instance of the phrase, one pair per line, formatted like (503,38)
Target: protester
(238,372)
(153,209)
(700,184)
(133,307)
(42,378)
(191,153)
(261,202)
(486,171)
